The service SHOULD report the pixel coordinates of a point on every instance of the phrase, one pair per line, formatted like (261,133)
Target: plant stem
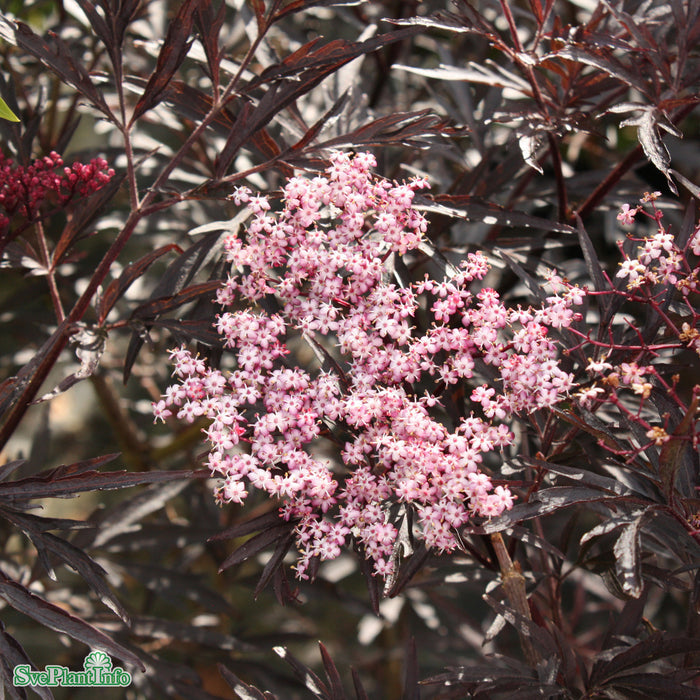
(514,586)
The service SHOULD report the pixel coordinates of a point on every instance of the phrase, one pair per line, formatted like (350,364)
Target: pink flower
(626,215)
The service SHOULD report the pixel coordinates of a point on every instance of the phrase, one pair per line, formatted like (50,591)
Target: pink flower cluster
(352,448)
(659,264)
(658,259)
(24,190)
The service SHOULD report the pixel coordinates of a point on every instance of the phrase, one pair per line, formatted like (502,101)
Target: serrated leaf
(172,53)
(595,270)
(606,63)
(407,571)
(9,467)
(122,517)
(154,307)
(88,569)
(584,477)
(294,77)
(529,144)
(209,25)
(83,214)
(493,75)
(111,28)
(415,129)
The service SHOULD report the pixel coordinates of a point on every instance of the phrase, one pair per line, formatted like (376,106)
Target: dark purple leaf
(91,343)
(540,638)
(195,105)
(648,125)
(57,58)
(673,451)
(261,522)
(408,128)
(172,53)
(71,484)
(178,274)
(543,502)
(243,690)
(411,689)
(9,467)
(116,288)
(305,674)
(295,76)
(160,305)
(12,654)
(595,271)
(606,63)
(274,562)
(184,331)
(259,10)
(334,682)
(627,556)
(111,27)
(370,579)
(408,570)
(475,209)
(657,646)
(690,186)
(124,516)
(581,476)
(655,685)
(255,545)
(57,619)
(209,25)
(360,692)
(451,22)
(88,569)
(316,129)
(300,5)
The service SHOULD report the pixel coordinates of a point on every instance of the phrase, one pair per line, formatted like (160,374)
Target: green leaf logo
(97,659)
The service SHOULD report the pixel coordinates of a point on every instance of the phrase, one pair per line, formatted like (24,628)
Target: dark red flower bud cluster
(24,190)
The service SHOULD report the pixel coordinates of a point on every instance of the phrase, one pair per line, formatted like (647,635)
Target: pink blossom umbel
(347,447)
